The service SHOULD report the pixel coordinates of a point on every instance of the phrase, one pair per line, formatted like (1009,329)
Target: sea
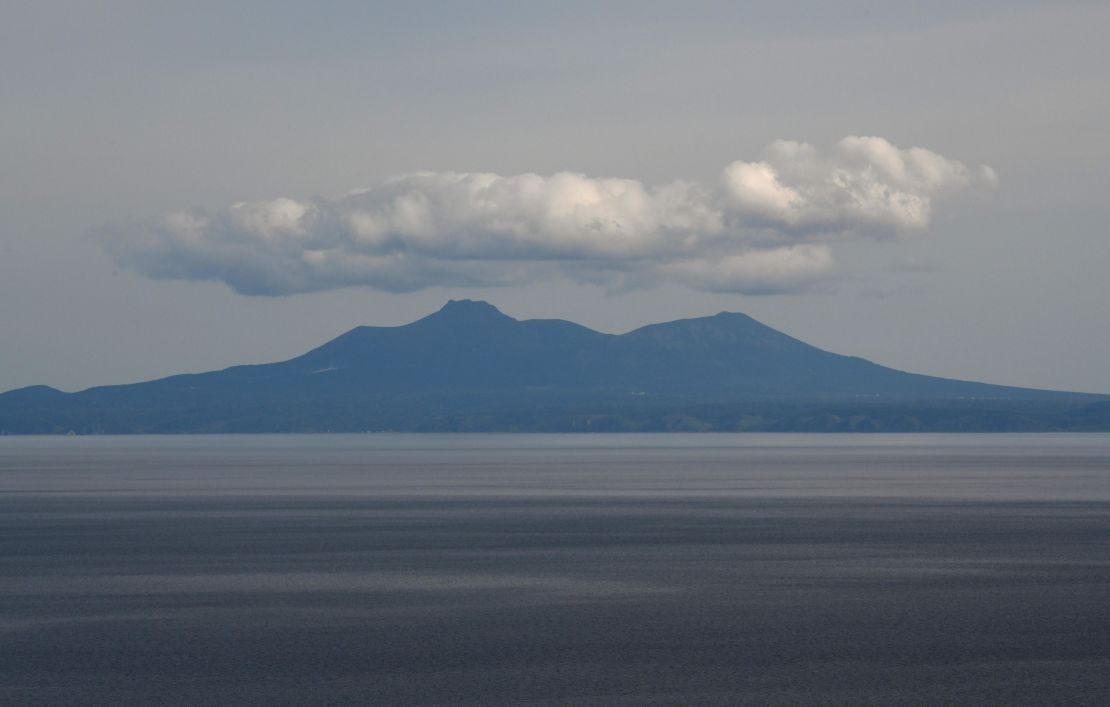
(675,569)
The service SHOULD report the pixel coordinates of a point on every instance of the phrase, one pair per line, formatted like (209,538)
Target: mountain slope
(469,361)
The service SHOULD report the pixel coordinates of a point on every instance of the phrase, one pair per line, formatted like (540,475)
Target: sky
(188,186)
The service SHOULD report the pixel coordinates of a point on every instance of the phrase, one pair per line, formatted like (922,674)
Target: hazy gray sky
(189,186)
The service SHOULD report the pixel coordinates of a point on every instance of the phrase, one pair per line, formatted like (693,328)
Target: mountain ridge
(469,361)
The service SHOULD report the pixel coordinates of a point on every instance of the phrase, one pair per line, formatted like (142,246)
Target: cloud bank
(766,226)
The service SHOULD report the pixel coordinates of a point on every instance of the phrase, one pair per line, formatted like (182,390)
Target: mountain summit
(470,366)
(467,312)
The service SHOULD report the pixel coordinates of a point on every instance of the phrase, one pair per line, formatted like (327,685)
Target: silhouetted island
(469,367)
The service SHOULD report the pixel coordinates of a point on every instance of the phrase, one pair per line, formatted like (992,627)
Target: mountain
(469,366)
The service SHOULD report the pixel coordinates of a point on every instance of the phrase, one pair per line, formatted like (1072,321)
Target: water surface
(548,569)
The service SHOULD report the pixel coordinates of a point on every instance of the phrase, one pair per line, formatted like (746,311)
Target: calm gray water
(544,570)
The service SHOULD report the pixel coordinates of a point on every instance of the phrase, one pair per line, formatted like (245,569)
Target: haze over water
(522,569)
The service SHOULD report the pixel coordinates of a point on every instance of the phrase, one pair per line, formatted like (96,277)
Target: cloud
(864,185)
(765,226)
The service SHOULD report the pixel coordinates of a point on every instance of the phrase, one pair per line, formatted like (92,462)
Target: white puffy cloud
(863,185)
(764,227)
